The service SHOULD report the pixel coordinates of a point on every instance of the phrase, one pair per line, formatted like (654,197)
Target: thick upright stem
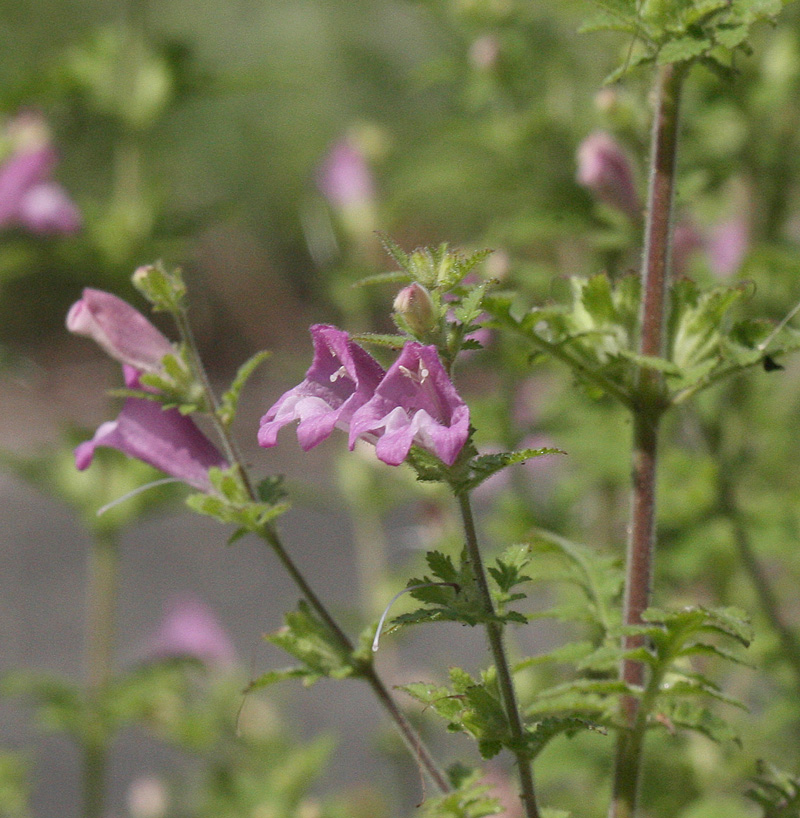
(494,632)
(648,406)
(100,638)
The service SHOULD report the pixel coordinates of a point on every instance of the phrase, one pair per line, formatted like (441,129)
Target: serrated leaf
(395,277)
(693,717)
(381,340)
(321,652)
(683,49)
(484,466)
(230,399)
(543,732)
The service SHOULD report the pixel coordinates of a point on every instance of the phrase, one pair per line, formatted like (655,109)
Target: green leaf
(484,466)
(543,732)
(320,651)
(470,798)
(230,400)
(683,49)
(470,706)
(691,716)
(776,791)
(232,505)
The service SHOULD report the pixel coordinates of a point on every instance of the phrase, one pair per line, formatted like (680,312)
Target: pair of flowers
(414,402)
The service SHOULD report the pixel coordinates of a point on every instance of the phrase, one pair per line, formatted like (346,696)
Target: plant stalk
(649,404)
(494,631)
(410,736)
(100,638)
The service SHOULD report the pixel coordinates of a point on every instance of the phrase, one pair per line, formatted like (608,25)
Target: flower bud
(164,289)
(604,169)
(415,305)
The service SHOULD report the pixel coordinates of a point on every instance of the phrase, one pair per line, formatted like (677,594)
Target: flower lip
(415,404)
(341,378)
(123,332)
(162,438)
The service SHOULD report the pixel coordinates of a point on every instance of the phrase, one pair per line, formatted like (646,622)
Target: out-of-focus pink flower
(123,332)
(345,178)
(686,240)
(342,377)
(29,197)
(604,169)
(190,629)
(727,245)
(415,403)
(163,438)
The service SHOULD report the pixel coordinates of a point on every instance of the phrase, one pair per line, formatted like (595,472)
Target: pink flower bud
(604,169)
(415,304)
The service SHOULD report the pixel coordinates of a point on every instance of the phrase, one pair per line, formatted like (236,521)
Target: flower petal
(123,332)
(415,403)
(341,378)
(164,438)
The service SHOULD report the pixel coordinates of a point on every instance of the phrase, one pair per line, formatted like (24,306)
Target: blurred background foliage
(200,134)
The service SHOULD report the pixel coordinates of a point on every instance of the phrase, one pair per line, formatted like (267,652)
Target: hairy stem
(648,407)
(494,631)
(100,637)
(410,736)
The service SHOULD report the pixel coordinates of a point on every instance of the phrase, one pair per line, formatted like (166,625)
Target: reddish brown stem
(648,407)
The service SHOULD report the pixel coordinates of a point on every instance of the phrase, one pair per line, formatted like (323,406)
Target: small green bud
(415,306)
(165,290)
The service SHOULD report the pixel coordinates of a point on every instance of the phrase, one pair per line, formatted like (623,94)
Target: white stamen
(416,377)
(341,372)
(394,599)
(138,490)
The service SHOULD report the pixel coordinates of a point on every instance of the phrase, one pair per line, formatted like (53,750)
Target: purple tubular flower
(342,377)
(344,177)
(604,169)
(47,208)
(20,173)
(163,438)
(415,403)
(123,332)
(190,629)
(29,198)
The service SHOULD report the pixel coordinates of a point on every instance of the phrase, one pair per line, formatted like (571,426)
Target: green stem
(494,631)
(411,738)
(648,407)
(100,639)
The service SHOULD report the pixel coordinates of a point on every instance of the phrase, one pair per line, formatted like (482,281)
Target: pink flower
(123,332)
(604,169)
(415,403)
(29,198)
(190,629)
(727,245)
(341,378)
(163,438)
(345,179)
